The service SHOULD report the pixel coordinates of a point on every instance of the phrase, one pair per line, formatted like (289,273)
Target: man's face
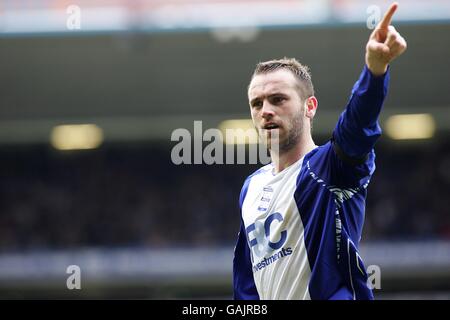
(276,108)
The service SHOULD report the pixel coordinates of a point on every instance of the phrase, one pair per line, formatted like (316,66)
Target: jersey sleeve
(243,282)
(244,287)
(357,130)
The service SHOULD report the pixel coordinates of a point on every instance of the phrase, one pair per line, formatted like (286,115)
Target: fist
(384,45)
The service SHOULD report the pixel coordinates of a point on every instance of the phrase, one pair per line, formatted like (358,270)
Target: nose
(267,110)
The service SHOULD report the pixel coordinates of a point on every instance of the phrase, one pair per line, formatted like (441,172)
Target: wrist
(377,70)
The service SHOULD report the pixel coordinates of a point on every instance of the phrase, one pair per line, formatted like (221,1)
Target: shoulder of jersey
(263,170)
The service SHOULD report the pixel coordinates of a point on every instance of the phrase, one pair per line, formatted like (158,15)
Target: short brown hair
(300,71)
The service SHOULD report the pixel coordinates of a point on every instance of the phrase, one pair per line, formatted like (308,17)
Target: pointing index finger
(386,21)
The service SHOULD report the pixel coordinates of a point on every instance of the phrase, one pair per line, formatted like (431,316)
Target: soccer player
(302,215)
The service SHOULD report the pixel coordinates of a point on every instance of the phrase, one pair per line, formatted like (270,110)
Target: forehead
(280,81)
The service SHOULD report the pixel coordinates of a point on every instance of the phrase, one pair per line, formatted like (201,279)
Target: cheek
(295,118)
(254,115)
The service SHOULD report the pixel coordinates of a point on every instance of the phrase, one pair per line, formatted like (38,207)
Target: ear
(311,107)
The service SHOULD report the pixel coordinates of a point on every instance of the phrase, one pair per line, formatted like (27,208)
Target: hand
(384,45)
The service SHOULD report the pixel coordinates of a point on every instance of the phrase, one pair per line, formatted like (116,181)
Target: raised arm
(357,129)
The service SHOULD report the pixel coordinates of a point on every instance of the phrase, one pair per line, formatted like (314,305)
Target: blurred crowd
(124,195)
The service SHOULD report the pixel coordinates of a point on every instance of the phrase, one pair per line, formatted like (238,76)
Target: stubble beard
(272,139)
(294,134)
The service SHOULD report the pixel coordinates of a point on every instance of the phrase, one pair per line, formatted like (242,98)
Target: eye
(257,104)
(278,99)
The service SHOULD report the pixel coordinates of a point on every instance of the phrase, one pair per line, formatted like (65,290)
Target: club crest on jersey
(265,199)
(259,235)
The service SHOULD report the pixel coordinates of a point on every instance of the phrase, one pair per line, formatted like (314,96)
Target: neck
(285,158)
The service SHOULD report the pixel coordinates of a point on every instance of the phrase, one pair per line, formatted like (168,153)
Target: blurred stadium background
(140,226)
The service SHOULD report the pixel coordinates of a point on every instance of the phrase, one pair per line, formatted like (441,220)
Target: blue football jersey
(300,228)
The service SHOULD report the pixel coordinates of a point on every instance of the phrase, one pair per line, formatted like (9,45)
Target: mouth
(270,126)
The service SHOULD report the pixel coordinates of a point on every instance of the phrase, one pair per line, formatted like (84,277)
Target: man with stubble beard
(302,215)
